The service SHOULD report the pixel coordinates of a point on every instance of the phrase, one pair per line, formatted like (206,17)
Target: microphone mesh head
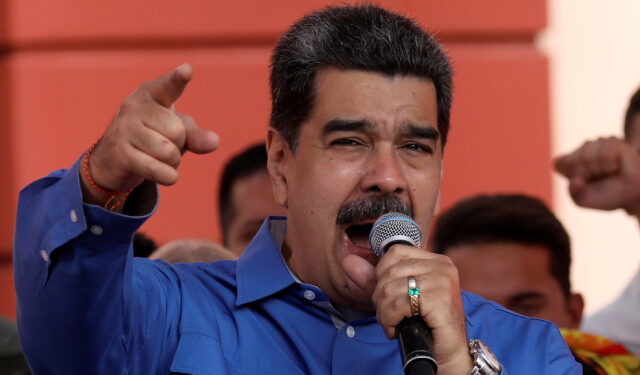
(394,227)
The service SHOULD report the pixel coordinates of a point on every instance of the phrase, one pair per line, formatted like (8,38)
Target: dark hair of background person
(506,218)
(364,37)
(143,245)
(252,160)
(12,361)
(632,110)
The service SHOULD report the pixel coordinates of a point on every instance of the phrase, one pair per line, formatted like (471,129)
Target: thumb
(562,165)
(577,184)
(360,272)
(197,140)
(167,89)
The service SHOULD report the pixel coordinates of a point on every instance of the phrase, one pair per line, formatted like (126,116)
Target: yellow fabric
(604,356)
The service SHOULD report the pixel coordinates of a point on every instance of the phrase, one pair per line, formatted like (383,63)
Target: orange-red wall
(66,64)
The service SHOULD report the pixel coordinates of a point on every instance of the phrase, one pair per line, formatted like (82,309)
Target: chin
(357,298)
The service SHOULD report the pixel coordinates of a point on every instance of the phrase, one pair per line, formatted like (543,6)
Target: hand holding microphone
(414,335)
(417,299)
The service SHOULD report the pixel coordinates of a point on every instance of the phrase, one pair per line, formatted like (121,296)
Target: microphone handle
(415,339)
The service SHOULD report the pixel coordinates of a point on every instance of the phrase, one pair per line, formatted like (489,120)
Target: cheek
(326,184)
(425,190)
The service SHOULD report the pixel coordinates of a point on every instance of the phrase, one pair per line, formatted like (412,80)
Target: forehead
(501,266)
(383,100)
(252,198)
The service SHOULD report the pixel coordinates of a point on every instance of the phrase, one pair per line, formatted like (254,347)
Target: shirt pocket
(199,354)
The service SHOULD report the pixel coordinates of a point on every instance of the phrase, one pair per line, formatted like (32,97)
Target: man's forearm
(71,267)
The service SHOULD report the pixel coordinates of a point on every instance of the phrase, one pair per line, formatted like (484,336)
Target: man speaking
(360,114)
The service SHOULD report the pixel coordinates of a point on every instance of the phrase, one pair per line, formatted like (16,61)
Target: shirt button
(95,229)
(351,331)
(44,255)
(309,294)
(73,215)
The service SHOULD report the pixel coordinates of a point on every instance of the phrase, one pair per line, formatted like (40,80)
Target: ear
(575,305)
(279,154)
(436,209)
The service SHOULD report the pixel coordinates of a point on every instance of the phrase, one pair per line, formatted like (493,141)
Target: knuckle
(443,295)
(187,118)
(176,132)
(586,157)
(386,290)
(128,104)
(375,297)
(174,157)
(452,271)
(399,303)
(444,258)
(148,171)
(144,86)
(392,272)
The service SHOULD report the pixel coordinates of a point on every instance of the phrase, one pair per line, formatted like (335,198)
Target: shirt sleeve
(561,360)
(84,304)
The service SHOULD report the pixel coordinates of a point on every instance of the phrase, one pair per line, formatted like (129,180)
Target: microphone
(414,335)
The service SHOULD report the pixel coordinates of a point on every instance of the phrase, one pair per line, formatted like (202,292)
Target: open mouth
(359,234)
(358,241)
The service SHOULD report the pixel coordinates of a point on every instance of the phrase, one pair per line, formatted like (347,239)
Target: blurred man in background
(12,361)
(511,249)
(245,198)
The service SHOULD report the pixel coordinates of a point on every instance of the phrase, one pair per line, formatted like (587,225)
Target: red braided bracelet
(116,198)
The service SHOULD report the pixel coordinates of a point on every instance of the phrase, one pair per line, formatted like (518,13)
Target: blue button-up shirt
(86,306)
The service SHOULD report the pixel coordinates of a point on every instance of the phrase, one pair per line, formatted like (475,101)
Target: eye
(528,308)
(346,142)
(419,147)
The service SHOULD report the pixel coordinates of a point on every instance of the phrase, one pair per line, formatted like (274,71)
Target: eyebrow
(409,130)
(342,125)
(426,132)
(527,296)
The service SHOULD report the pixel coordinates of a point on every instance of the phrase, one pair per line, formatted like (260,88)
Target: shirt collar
(261,271)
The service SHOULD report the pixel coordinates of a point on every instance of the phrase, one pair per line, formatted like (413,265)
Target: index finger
(398,253)
(168,88)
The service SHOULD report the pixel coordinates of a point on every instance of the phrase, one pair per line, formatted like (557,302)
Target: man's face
(252,199)
(518,277)
(368,136)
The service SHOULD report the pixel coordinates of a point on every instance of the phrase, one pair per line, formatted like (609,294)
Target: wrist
(95,194)
(461,363)
(484,361)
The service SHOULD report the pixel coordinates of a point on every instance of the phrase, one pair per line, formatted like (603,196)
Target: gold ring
(414,295)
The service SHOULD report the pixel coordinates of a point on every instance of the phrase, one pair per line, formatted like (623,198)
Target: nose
(383,174)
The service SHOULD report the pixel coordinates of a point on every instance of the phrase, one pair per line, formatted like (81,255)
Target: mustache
(372,207)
